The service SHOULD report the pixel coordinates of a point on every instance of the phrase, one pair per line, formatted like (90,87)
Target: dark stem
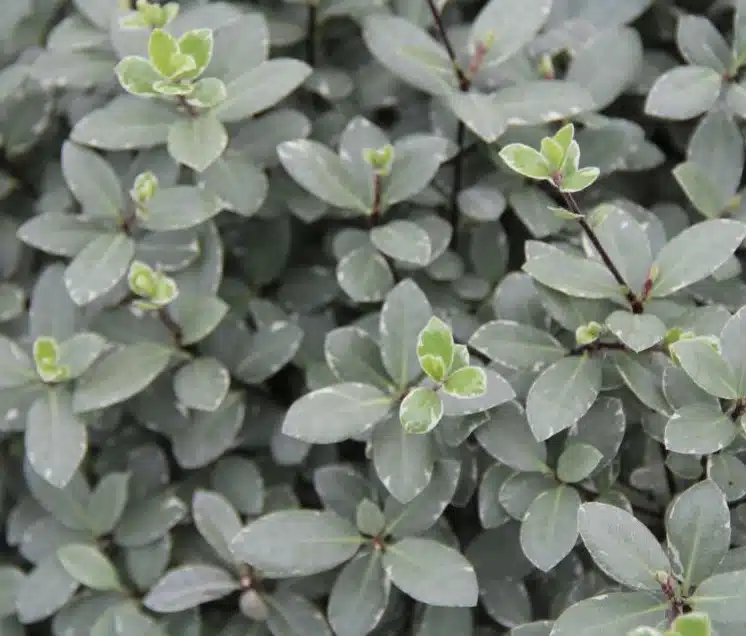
(635,303)
(611,346)
(171,325)
(377,193)
(463,80)
(311,24)
(190,110)
(464,83)
(738,410)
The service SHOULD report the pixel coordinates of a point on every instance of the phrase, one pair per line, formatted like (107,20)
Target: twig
(176,332)
(635,303)
(463,81)
(311,29)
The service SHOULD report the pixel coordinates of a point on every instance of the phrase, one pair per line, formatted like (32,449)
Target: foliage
(372,317)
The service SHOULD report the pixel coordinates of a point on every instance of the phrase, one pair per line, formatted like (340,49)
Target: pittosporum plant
(372,317)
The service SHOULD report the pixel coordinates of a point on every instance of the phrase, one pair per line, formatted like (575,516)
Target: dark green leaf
(197,142)
(622,546)
(89,566)
(336,413)
(610,615)
(431,573)
(699,429)
(683,92)
(297,543)
(189,586)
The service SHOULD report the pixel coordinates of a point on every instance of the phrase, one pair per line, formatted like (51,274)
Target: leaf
(733,343)
(137,76)
(696,253)
(119,375)
(468,382)
(92,181)
(431,573)
(59,233)
(699,189)
(613,614)
(701,44)
(44,591)
(125,123)
(189,586)
(550,527)
(179,208)
(272,347)
(405,312)
(683,92)
(239,481)
(107,501)
(11,579)
(640,378)
(715,149)
(497,391)
(364,275)
(526,161)
(16,368)
(409,53)
(420,411)
(571,275)
(80,351)
(423,512)
(359,595)
(510,25)
(89,566)
(197,142)
(293,615)
(403,461)
(404,241)
(56,439)
(562,394)
(622,547)
(577,462)
(336,413)
(722,597)
(508,438)
(202,384)
(98,267)
(322,173)
(697,532)
(354,356)
(624,46)
(217,522)
(533,102)
(260,88)
(416,161)
(516,346)
(149,520)
(699,429)
(209,434)
(296,543)
(638,331)
(706,367)
(479,112)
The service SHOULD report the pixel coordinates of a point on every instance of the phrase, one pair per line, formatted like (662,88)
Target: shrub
(373,317)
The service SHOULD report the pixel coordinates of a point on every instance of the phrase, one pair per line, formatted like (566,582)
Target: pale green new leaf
(420,411)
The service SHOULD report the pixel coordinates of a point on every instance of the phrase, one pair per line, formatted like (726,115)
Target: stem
(611,346)
(377,193)
(464,83)
(635,303)
(191,110)
(738,410)
(311,23)
(463,80)
(171,325)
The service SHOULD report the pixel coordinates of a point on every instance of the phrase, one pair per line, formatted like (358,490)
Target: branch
(311,34)
(632,298)
(463,81)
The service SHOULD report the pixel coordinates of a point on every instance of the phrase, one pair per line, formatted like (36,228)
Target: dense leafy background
(219,412)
